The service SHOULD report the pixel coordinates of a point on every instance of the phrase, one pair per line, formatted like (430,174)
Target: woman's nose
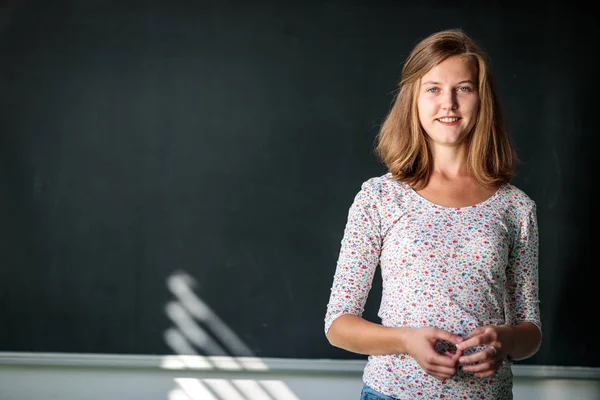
(449,102)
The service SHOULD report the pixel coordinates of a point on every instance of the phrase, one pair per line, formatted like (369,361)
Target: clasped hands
(482,364)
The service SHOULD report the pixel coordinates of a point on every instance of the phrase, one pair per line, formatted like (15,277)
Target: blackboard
(175,175)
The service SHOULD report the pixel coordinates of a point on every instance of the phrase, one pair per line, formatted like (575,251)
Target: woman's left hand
(496,340)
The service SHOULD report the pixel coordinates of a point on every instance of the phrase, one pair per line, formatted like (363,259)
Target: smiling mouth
(448,119)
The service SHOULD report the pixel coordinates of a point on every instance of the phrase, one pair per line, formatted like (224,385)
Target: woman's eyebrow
(438,83)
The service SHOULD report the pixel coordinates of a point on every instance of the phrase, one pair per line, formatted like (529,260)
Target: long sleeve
(522,302)
(358,258)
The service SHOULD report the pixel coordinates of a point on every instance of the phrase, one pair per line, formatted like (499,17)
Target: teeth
(451,119)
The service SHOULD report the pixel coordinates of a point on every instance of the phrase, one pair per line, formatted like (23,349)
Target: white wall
(110,377)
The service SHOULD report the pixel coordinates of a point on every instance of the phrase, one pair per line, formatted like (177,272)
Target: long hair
(401,142)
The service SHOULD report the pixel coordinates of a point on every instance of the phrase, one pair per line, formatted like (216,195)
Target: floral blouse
(452,268)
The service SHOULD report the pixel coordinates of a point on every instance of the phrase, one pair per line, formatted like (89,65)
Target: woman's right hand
(421,345)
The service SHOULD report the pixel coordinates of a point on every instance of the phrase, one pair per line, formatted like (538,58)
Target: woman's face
(448,101)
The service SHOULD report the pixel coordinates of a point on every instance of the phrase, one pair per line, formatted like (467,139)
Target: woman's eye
(432,90)
(464,89)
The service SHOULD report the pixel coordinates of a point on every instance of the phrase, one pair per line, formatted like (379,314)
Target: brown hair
(401,142)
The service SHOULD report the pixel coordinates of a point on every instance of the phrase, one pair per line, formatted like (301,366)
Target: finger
(439,371)
(472,342)
(452,356)
(442,372)
(484,374)
(445,335)
(482,368)
(477,331)
(475,357)
(441,361)
(456,356)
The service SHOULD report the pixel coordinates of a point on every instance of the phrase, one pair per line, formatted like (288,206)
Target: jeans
(370,394)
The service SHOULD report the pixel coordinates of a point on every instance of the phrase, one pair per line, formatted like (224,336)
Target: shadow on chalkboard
(198,329)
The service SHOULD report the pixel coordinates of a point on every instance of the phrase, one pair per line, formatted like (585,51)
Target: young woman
(456,242)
